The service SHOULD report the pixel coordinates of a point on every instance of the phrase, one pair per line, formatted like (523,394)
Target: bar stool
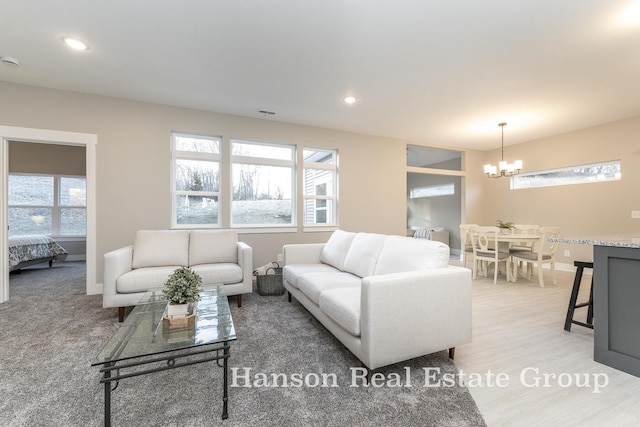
(574,297)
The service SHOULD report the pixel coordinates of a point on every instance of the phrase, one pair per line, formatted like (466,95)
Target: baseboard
(94,289)
(76,258)
(568,267)
(559,267)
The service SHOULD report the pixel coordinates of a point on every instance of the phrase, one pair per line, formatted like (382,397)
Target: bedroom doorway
(40,136)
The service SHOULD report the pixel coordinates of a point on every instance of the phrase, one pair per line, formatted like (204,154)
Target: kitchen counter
(616,299)
(627,241)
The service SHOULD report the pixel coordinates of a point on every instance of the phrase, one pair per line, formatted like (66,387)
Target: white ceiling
(437,72)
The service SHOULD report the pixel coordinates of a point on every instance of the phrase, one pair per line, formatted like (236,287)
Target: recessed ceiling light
(75,43)
(349,99)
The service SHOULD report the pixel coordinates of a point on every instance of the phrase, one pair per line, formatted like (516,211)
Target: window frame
(177,155)
(332,199)
(513,181)
(264,161)
(57,206)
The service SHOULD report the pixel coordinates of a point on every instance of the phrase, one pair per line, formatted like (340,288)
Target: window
(447,189)
(596,172)
(196,180)
(320,186)
(47,204)
(262,184)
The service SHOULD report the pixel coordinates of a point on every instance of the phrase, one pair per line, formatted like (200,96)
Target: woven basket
(270,284)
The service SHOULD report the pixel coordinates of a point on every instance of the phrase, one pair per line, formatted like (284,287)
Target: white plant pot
(175,311)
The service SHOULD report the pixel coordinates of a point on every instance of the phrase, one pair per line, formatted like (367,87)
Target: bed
(36,249)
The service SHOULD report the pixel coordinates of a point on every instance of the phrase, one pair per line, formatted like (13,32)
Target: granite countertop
(624,241)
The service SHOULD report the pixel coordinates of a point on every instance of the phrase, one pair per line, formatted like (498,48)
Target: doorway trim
(44,136)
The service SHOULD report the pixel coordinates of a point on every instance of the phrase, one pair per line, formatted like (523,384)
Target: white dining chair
(486,250)
(524,229)
(527,229)
(543,252)
(467,243)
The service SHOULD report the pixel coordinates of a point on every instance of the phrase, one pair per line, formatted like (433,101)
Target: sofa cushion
(363,254)
(291,273)
(225,273)
(143,279)
(343,306)
(335,250)
(159,248)
(313,284)
(213,246)
(401,254)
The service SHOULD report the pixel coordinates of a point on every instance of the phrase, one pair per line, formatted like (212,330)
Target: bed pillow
(159,248)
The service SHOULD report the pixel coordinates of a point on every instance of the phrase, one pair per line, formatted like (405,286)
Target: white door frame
(44,136)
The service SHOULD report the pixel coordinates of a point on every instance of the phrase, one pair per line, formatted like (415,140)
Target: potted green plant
(505,227)
(182,290)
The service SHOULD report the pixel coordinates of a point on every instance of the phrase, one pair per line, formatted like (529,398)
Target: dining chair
(486,250)
(529,230)
(543,252)
(467,243)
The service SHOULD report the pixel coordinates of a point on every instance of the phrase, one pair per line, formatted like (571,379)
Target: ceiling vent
(10,61)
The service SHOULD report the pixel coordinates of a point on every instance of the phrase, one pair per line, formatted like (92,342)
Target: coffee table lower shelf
(112,372)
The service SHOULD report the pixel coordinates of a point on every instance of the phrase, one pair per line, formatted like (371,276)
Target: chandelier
(504,168)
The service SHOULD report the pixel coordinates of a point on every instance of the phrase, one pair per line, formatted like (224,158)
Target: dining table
(506,240)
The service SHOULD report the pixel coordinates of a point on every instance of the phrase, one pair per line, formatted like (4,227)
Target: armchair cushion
(143,279)
(159,248)
(219,273)
(213,246)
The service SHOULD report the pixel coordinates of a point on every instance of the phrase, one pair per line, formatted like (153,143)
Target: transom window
(581,174)
(54,205)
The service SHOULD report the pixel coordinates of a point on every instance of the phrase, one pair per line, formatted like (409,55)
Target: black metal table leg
(225,375)
(107,396)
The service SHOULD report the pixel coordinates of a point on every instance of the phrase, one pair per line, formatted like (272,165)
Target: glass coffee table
(143,344)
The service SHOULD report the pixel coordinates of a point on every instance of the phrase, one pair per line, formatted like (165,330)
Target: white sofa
(386,298)
(216,255)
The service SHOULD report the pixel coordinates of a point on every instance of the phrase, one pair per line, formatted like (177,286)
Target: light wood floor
(517,326)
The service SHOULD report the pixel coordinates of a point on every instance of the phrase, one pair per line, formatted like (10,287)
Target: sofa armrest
(245,261)
(302,253)
(116,263)
(406,315)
